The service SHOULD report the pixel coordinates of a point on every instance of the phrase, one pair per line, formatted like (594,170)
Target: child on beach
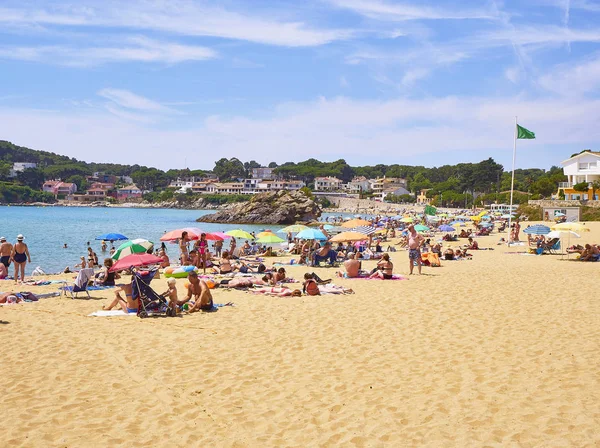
(171,293)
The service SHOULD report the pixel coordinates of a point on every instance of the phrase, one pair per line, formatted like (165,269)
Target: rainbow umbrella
(137,246)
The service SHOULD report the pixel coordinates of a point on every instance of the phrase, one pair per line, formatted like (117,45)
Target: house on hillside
(395,191)
(19,167)
(224,188)
(358,184)
(327,183)
(59,188)
(129,193)
(262,173)
(583,167)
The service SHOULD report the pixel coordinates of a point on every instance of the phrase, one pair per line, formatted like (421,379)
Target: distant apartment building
(129,193)
(359,184)
(103,178)
(105,186)
(380,185)
(583,167)
(92,195)
(19,167)
(262,173)
(327,183)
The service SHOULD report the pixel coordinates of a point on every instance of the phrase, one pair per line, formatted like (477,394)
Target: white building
(358,184)
(327,183)
(583,167)
(19,167)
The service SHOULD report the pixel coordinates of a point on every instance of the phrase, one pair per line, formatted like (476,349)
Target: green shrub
(533,212)
(12,193)
(590,213)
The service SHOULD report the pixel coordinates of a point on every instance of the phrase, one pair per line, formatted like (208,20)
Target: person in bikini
(384,268)
(310,285)
(201,246)
(127,304)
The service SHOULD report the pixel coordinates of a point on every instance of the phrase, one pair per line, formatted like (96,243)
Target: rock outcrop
(278,207)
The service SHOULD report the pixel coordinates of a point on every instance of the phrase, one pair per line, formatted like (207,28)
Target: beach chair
(551,246)
(80,284)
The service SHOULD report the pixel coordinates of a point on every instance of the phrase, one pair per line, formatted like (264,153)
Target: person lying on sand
(278,291)
(243,282)
(9,297)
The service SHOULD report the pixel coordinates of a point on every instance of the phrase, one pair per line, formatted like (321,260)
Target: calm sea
(46,229)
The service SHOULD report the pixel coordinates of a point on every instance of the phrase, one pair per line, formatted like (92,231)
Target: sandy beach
(500,350)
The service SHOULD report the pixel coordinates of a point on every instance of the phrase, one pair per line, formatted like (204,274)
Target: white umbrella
(560,234)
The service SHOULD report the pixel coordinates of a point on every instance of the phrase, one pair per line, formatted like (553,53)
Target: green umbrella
(239,233)
(137,246)
(270,239)
(421,228)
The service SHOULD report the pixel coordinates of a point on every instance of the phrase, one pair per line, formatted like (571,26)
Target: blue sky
(175,82)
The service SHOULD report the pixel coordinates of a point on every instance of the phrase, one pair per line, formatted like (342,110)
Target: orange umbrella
(193,234)
(355,223)
(348,236)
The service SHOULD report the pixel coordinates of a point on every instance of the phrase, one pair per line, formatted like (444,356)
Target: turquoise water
(46,229)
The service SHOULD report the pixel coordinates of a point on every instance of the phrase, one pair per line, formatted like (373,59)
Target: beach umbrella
(407,219)
(446,228)
(264,233)
(348,236)
(112,237)
(574,226)
(457,223)
(537,229)
(239,233)
(462,218)
(475,218)
(193,234)
(507,216)
(421,228)
(220,235)
(329,227)
(269,238)
(486,224)
(365,230)
(559,214)
(311,234)
(355,223)
(294,228)
(433,218)
(135,260)
(561,233)
(137,246)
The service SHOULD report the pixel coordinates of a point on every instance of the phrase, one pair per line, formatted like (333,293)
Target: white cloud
(414,75)
(130,100)
(514,74)
(181,17)
(388,131)
(574,80)
(138,49)
(388,11)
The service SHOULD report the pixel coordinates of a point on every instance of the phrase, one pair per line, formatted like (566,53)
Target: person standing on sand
(5,252)
(20,255)
(414,248)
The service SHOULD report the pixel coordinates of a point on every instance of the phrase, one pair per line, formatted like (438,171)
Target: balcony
(570,184)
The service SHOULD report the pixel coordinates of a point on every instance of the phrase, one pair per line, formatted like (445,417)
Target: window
(583,166)
(592,165)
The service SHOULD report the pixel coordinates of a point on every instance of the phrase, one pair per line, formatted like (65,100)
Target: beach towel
(99,287)
(111,313)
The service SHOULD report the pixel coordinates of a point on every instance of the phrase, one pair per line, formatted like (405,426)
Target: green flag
(524,133)
(430,210)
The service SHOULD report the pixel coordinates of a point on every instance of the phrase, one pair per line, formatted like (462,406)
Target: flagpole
(512,183)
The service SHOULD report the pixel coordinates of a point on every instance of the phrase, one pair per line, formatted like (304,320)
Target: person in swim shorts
(128,304)
(5,252)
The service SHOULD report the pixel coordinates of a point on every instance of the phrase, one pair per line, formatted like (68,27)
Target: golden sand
(501,350)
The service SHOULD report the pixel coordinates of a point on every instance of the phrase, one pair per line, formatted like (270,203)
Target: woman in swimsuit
(20,255)
(105,277)
(225,266)
(202,246)
(128,305)
(384,268)
(183,247)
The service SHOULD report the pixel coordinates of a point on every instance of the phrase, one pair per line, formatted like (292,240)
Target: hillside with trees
(447,184)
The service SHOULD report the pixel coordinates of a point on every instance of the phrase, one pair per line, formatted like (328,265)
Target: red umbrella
(134,260)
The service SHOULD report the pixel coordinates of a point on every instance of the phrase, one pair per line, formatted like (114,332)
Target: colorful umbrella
(365,230)
(355,223)
(112,237)
(221,235)
(193,234)
(348,236)
(264,233)
(294,228)
(446,228)
(135,260)
(311,234)
(270,238)
(239,233)
(538,229)
(407,219)
(137,246)
(421,228)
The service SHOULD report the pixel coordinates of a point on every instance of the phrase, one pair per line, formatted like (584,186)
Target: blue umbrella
(311,234)
(487,224)
(447,228)
(112,237)
(537,229)
(328,227)
(457,223)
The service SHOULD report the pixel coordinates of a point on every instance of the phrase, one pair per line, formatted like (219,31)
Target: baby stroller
(151,303)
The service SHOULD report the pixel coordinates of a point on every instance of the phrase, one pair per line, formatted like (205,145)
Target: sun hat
(2,238)
(19,236)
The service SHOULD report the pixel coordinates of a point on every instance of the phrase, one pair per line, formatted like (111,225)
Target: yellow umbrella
(476,218)
(407,219)
(349,236)
(265,233)
(573,226)
(355,223)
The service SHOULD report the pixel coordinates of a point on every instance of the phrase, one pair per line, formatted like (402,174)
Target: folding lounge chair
(80,284)
(551,246)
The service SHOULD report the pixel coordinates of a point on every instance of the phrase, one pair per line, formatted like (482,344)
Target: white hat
(2,238)
(19,236)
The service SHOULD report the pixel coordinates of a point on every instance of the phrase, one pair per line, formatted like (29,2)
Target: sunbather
(127,304)
(278,291)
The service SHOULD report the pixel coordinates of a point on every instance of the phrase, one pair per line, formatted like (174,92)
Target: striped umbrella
(538,229)
(137,246)
(365,230)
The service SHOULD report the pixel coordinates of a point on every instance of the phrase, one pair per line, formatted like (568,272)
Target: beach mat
(110,313)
